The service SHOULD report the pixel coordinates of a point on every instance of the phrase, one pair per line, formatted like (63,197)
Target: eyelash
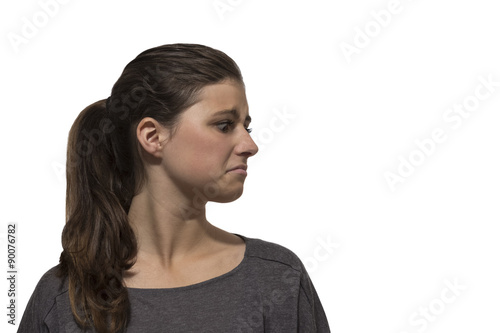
(230,123)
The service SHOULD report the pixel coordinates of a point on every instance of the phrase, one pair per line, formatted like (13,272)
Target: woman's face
(210,139)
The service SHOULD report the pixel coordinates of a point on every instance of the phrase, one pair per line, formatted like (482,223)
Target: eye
(224,126)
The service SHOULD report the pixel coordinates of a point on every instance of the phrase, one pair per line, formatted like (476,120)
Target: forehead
(228,95)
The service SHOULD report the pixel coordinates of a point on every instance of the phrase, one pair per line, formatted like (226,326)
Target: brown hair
(104,172)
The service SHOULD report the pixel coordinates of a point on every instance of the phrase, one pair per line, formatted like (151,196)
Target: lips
(241,166)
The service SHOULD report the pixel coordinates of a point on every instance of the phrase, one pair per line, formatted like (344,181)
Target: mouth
(240,169)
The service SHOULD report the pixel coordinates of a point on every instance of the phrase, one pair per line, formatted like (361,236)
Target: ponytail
(98,242)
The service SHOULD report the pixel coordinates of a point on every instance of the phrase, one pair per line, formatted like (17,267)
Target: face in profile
(211,138)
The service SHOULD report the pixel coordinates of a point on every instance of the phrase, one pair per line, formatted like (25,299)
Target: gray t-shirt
(269,291)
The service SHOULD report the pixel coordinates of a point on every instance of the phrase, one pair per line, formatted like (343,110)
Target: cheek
(200,154)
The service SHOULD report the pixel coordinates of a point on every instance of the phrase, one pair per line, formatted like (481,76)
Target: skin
(185,169)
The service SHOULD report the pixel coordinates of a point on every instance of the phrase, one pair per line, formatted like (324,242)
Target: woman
(138,252)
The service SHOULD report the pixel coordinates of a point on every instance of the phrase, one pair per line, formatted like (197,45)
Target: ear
(151,135)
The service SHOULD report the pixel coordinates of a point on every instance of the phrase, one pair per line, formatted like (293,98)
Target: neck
(168,229)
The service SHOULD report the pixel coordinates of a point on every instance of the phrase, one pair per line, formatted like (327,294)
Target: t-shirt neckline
(202,283)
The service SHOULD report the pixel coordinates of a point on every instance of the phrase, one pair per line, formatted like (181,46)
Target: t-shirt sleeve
(311,315)
(32,320)
(39,306)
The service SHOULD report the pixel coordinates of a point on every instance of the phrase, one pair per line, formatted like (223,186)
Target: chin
(228,196)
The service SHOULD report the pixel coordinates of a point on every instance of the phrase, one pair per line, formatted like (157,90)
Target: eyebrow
(233,112)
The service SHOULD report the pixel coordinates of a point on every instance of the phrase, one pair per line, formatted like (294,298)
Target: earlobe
(151,134)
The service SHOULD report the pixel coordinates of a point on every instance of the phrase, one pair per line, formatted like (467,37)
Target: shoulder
(42,301)
(51,284)
(274,254)
(282,276)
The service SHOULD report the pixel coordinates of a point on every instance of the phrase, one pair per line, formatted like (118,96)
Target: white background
(320,176)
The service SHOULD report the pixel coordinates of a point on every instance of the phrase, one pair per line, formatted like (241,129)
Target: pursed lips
(242,168)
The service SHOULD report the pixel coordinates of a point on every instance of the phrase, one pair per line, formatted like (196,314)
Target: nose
(246,145)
